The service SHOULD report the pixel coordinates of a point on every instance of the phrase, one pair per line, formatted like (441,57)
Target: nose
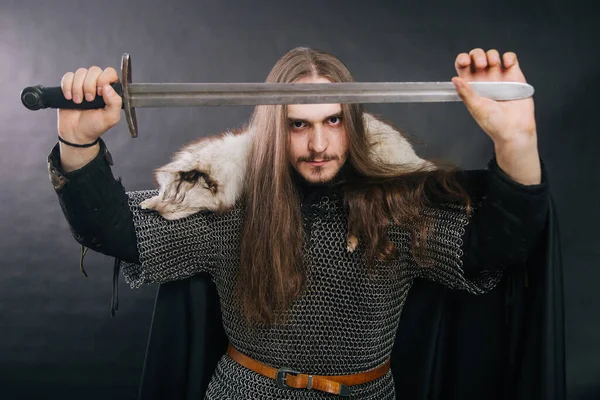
(317,141)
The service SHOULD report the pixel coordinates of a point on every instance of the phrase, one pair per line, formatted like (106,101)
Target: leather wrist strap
(78,145)
(287,378)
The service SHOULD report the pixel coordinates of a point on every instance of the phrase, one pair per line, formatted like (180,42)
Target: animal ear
(173,186)
(164,177)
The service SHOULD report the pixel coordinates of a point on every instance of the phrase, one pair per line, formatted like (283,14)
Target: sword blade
(218,94)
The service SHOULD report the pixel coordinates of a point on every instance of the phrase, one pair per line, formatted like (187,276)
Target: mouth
(318,163)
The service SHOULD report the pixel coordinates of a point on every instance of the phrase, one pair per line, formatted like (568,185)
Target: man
(314,257)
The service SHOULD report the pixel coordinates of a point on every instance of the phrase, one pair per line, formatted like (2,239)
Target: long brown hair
(272,273)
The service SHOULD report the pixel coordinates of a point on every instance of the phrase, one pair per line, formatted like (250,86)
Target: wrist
(520,162)
(76,145)
(76,138)
(73,158)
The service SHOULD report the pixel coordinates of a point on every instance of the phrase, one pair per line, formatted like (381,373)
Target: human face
(317,141)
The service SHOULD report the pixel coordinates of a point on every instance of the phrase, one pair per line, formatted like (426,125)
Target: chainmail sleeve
(444,251)
(471,252)
(168,249)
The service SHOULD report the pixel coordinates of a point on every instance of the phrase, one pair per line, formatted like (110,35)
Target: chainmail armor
(344,322)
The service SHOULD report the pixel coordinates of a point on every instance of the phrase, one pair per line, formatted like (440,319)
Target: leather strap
(287,378)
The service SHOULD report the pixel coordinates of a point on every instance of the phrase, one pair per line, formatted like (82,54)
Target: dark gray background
(57,339)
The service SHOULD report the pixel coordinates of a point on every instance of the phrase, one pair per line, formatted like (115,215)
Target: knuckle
(107,76)
(67,78)
(493,57)
(462,59)
(94,70)
(81,71)
(110,74)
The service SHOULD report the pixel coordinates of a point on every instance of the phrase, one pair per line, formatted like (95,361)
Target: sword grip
(38,97)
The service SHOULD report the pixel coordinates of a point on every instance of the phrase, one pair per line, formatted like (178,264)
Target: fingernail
(68,95)
(99,90)
(89,97)
(77,99)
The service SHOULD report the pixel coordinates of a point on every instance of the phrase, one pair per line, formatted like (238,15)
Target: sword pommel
(39,97)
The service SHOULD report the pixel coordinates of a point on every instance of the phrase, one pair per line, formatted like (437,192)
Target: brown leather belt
(287,378)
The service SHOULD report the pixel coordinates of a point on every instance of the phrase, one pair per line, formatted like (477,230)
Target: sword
(217,94)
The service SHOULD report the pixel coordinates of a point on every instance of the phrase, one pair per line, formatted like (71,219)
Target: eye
(335,120)
(297,124)
(190,176)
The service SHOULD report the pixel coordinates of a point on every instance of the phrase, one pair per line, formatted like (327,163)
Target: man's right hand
(85,126)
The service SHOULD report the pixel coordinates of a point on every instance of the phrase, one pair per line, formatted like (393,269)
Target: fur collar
(208,174)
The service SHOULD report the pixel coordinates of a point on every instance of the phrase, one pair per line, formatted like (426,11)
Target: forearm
(74,158)
(520,160)
(95,206)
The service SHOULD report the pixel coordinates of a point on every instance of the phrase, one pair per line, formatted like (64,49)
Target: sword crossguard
(129,110)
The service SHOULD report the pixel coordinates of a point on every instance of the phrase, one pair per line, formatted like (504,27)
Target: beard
(319,174)
(321,177)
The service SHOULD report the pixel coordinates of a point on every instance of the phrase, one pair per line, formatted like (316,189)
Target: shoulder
(474,181)
(457,185)
(479,182)
(496,186)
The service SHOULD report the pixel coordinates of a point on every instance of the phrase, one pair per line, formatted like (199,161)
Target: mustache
(319,157)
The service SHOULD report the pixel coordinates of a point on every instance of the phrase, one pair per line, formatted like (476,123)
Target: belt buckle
(281,376)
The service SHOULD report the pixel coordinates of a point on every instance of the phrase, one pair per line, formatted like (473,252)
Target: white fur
(224,159)
(389,146)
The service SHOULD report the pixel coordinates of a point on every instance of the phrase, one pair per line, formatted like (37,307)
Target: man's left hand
(511,123)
